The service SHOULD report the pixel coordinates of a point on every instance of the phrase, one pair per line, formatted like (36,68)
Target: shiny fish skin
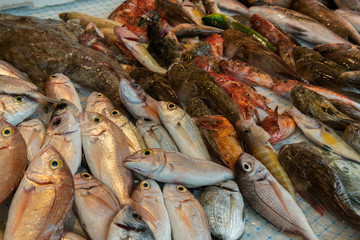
(12,158)
(352,136)
(191,221)
(182,130)
(267,197)
(7,69)
(95,204)
(33,132)
(175,167)
(351,4)
(42,199)
(155,135)
(350,15)
(97,102)
(224,207)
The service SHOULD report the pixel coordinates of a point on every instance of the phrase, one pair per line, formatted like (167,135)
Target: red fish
(130,11)
(217,44)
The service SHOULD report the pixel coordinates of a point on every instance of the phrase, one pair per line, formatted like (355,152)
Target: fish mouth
(37,181)
(127,228)
(5,147)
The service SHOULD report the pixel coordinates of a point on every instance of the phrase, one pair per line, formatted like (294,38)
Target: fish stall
(180,119)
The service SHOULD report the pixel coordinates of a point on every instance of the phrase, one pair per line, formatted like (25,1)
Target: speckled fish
(187,29)
(189,223)
(7,69)
(155,135)
(257,140)
(137,102)
(182,130)
(64,134)
(193,11)
(16,109)
(59,86)
(97,102)
(105,147)
(269,198)
(135,140)
(317,182)
(96,205)
(12,158)
(149,196)
(172,12)
(323,136)
(196,49)
(352,136)
(225,136)
(175,167)
(128,224)
(33,132)
(346,109)
(85,19)
(350,15)
(44,196)
(224,207)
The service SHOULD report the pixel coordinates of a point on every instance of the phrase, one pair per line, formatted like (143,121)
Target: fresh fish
(95,204)
(347,109)
(33,132)
(73,225)
(128,224)
(189,223)
(317,182)
(130,11)
(280,3)
(207,63)
(196,49)
(313,104)
(59,87)
(7,69)
(224,135)
(149,196)
(298,25)
(137,102)
(211,7)
(189,30)
(350,4)
(257,140)
(61,108)
(216,45)
(182,130)
(269,198)
(327,17)
(323,136)
(85,19)
(16,108)
(64,134)
(105,148)
(193,11)
(175,167)
(353,78)
(352,136)
(231,6)
(350,15)
(135,140)
(12,158)
(155,135)
(224,207)
(97,102)
(172,12)
(43,198)
(71,236)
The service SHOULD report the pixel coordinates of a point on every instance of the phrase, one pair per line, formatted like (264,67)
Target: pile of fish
(171,141)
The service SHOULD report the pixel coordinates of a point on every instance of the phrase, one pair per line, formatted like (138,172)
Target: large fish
(42,199)
(267,197)
(33,132)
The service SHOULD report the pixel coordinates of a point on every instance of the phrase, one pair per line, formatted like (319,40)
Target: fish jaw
(130,91)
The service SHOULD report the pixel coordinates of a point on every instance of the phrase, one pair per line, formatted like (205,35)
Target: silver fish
(352,16)
(155,135)
(224,207)
(7,69)
(269,198)
(97,102)
(183,130)
(187,217)
(175,167)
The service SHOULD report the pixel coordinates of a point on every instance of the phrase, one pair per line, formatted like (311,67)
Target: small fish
(96,205)
(189,223)
(323,136)
(216,44)
(172,12)
(175,167)
(43,198)
(85,19)
(33,132)
(350,15)
(6,69)
(97,102)
(128,224)
(189,30)
(352,136)
(16,108)
(12,158)
(280,3)
(59,87)
(232,6)
(224,207)
(193,11)
(269,198)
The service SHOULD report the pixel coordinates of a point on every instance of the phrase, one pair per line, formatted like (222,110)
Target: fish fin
(319,209)
(279,194)
(295,30)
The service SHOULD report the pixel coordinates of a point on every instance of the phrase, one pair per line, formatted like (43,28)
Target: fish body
(280,3)
(216,45)
(350,4)
(12,158)
(95,204)
(352,136)
(71,236)
(33,132)
(97,102)
(175,167)
(85,19)
(193,11)
(189,223)
(130,11)
(348,109)
(269,198)
(351,16)
(232,6)
(187,29)
(224,206)
(196,49)
(7,69)
(43,198)
(172,12)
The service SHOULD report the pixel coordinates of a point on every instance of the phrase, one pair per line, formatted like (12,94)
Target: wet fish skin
(352,136)
(351,16)
(95,204)
(196,49)
(71,236)
(187,29)
(193,11)
(350,4)
(207,63)
(12,160)
(280,3)
(33,132)
(175,167)
(43,198)
(97,102)
(347,109)
(325,190)
(224,207)
(7,69)
(268,197)
(216,45)
(172,12)
(192,223)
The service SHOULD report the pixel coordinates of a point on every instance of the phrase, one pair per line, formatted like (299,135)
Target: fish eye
(114,113)
(145,184)
(99,95)
(246,167)
(181,188)
(96,118)
(147,152)
(136,85)
(345,170)
(55,163)
(86,176)
(56,121)
(246,130)
(286,81)
(171,106)
(136,216)
(53,76)
(19,99)
(7,132)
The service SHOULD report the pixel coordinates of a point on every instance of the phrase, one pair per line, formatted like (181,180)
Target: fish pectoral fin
(279,194)
(295,30)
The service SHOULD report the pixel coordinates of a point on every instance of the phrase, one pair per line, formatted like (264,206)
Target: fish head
(131,91)
(146,161)
(64,124)
(8,134)
(283,87)
(94,124)
(302,120)
(146,189)
(145,124)
(212,122)
(170,112)
(17,104)
(249,130)
(115,116)
(58,78)
(128,219)
(64,16)
(97,102)
(248,169)
(217,20)
(176,193)
(85,181)
(348,168)
(65,106)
